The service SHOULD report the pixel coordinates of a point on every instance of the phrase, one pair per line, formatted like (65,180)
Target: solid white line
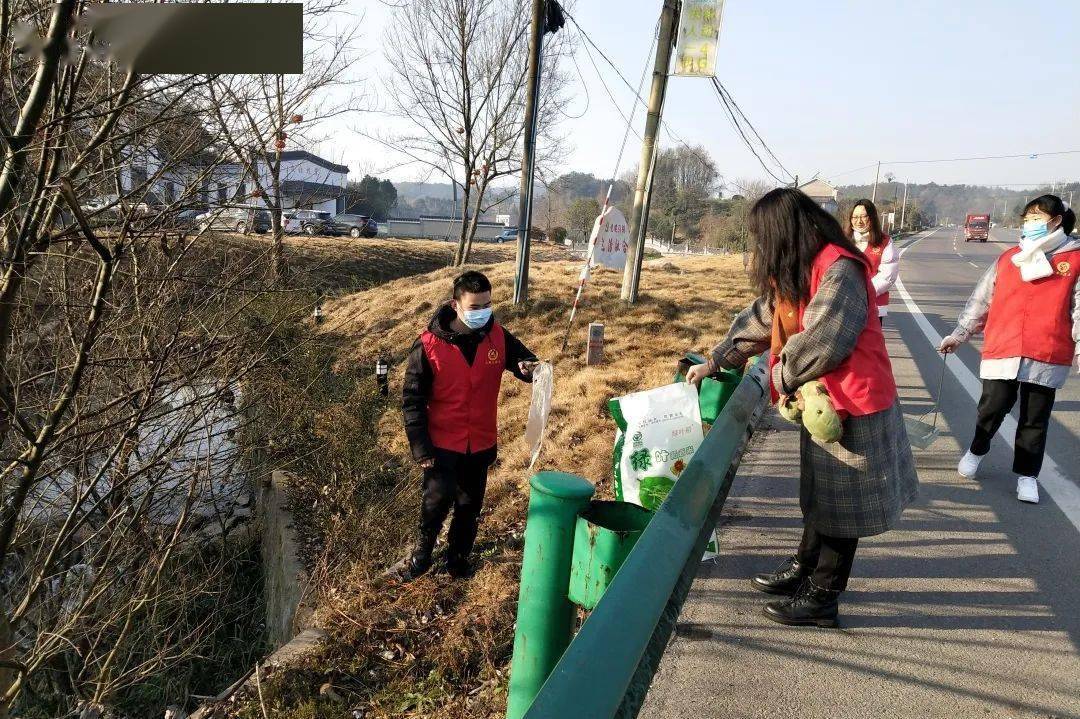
(1065,494)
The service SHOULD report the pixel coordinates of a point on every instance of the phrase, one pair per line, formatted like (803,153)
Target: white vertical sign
(610,239)
(699,32)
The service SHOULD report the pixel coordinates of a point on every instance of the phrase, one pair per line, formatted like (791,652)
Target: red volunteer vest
(874,255)
(464,403)
(863,383)
(1031,319)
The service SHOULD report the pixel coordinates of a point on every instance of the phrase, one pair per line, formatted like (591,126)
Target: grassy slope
(437,648)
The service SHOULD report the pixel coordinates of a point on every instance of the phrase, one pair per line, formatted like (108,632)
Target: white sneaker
(969,464)
(1027,490)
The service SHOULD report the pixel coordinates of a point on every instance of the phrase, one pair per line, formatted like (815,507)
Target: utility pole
(528,152)
(903,209)
(873,195)
(638,216)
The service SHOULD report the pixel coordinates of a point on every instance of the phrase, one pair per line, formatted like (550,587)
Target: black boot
(459,567)
(417,563)
(810,605)
(785,580)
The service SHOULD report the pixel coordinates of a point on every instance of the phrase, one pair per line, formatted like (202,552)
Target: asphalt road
(939,271)
(969,608)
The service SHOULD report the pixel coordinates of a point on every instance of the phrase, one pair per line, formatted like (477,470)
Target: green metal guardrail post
(545,615)
(593,676)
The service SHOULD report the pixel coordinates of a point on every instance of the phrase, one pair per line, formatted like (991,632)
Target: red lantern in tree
(257,192)
(296,119)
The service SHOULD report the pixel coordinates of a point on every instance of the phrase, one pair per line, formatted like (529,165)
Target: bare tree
(124,342)
(458,72)
(259,115)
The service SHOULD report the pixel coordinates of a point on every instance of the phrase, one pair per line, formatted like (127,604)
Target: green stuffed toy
(789,409)
(818,414)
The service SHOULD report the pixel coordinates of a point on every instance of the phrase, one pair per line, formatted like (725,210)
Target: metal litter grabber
(921,433)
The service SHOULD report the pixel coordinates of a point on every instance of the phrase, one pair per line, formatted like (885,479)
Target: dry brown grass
(336,263)
(439,648)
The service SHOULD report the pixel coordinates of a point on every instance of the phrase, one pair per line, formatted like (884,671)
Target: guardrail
(607,668)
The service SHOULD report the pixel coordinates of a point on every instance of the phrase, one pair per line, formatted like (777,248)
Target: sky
(831,86)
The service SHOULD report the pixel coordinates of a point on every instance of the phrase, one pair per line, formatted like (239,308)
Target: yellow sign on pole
(699,31)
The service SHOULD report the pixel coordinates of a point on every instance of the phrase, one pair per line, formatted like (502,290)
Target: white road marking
(973,264)
(1065,494)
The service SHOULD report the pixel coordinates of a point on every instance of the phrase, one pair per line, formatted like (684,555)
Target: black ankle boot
(810,605)
(460,567)
(785,580)
(416,564)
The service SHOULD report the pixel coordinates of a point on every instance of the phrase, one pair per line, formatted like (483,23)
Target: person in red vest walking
(450,407)
(864,229)
(817,314)
(1027,305)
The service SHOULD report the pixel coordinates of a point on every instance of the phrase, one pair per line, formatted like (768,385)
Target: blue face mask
(475,319)
(1034,230)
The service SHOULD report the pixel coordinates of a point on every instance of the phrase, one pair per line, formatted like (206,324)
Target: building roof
(819,188)
(302,155)
(314,159)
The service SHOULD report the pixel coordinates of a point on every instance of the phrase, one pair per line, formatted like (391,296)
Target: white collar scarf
(861,239)
(1032,259)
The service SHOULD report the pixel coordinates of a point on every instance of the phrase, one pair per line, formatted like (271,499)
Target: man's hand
(527,367)
(426,463)
(698,372)
(948,345)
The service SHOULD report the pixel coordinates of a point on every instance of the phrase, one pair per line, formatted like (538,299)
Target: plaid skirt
(859,486)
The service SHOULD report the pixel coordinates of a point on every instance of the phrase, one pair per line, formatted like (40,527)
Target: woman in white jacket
(864,229)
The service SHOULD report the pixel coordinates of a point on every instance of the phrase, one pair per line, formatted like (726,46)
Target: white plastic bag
(659,430)
(542,384)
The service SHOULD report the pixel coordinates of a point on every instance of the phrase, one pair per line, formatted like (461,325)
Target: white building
(307,180)
(822,193)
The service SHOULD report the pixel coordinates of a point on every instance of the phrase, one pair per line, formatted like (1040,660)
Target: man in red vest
(450,406)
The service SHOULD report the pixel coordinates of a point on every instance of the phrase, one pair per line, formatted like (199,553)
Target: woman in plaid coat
(814,314)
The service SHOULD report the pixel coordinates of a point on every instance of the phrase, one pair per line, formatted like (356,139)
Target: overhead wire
(732,107)
(1031,155)
(738,129)
(584,86)
(637,94)
(627,120)
(633,110)
(664,125)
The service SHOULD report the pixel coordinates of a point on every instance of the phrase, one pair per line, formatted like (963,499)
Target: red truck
(977,227)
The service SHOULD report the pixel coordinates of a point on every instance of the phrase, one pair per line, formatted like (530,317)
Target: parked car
(308,222)
(181,220)
(510,234)
(235,218)
(352,225)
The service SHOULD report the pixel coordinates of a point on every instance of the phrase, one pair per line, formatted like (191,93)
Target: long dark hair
(1055,207)
(877,237)
(790,230)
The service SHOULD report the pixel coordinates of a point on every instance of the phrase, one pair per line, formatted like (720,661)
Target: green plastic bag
(715,391)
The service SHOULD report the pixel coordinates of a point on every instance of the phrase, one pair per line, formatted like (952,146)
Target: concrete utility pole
(903,209)
(528,153)
(873,195)
(639,218)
